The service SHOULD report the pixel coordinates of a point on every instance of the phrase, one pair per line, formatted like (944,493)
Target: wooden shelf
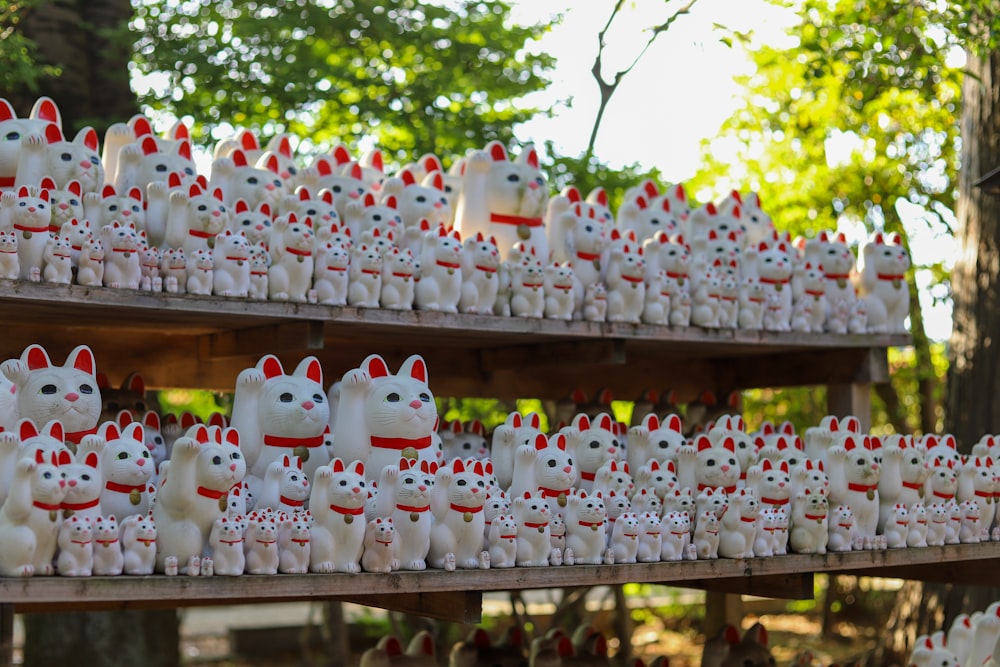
(457,595)
(194,341)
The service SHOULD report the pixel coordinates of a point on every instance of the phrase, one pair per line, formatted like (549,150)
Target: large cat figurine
(457,501)
(593,443)
(68,393)
(127,467)
(30,517)
(854,475)
(204,464)
(13,131)
(382,416)
(706,465)
(504,199)
(278,414)
(882,283)
(337,504)
(49,155)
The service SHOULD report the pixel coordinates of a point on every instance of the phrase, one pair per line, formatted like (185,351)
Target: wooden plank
(790,586)
(554,354)
(456,606)
(284,337)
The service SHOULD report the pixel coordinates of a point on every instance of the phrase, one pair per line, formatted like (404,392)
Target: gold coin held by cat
(134,496)
(223,503)
(920,492)
(467,517)
(302,453)
(561,500)
(841,283)
(541,529)
(68,513)
(409,453)
(451,272)
(593,527)
(300,258)
(523,232)
(871,494)
(53,514)
(27,235)
(597,265)
(414,516)
(348,518)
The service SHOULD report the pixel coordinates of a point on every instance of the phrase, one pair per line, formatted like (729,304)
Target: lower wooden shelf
(457,596)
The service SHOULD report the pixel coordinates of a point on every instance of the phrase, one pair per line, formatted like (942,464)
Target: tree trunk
(89,41)
(973,406)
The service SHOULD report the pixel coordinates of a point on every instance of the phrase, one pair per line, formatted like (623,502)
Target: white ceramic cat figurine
(379,554)
(676,536)
(292,263)
(231,265)
(382,416)
(278,414)
(259,262)
(832,252)
(970,529)
(457,503)
(76,403)
(882,268)
(977,483)
(122,267)
(593,443)
(808,287)
(30,518)
(706,465)
(653,439)
(626,284)
(953,530)
(706,535)
(480,261)
(502,541)
(504,199)
(76,547)
(404,495)
(903,474)
(337,504)
(739,525)
(126,466)
(226,541)
(57,261)
(364,288)
(44,114)
(545,466)
(942,482)
(173,266)
(109,560)
(810,531)
(516,430)
(256,223)
(534,535)
(200,272)
(84,483)
(897,526)
(771,483)
(560,286)
(527,286)
(295,544)
(854,475)
(595,302)
(398,279)
(916,535)
(767,527)
(204,464)
(285,487)
(843,534)
(625,538)
(937,524)
(261,544)
(139,545)
(586,539)
(440,285)
(10,264)
(28,214)
(650,538)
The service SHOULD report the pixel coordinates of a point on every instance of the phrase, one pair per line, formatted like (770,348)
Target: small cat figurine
(14,130)
(10,263)
(593,443)
(480,260)
(595,302)
(843,536)
(904,472)
(226,540)
(559,285)
(285,487)
(916,535)
(337,504)
(398,275)
(854,476)
(295,544)
(28,213)
(76,401)
(330,273)
(739,525)
(382,416)
(259,262)
(440,285)
(109,560)
(292,263)
(516,430)
(810,531)
(405,497)
(977,483)
(139,545)
(706,535)
(30,518)
(260,544)
(970,530)
(527,294)
(76,547)
(882,268)
(173,266)
(57,261)
(546,466)
(457,501)
(84,483)
(707,465)
(533,533)
(279,414)
(204,464)
(655,440)
(650,538)
(586,540)
(255,223)
(195,217)
(626,284)
(364,287)
(122,268)
(126,466)
(625,538)
(380,547)
(231,265)
(502,541)
(937,524)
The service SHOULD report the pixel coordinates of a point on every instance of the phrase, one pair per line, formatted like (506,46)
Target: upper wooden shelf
(194,341)
(458,595)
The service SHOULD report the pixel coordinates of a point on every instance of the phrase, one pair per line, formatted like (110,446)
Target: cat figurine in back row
(382,416)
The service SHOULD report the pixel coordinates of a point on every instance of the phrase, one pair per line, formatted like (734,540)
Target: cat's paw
(251,378)
(223,166)
(119,133)
(354,209)
(390,474)
(34,143)
(157,191)
(527,454)
(179,198)
(449,562)
(687,453)
(9,442)
(479,161)
(754,475)
(131,154)
(556,556)
(356,379)
(26,466)
(638,433)
(837,453)
(484,560)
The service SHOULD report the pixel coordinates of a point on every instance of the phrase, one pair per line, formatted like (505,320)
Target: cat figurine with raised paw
(480,259)
(30,517)
(502,541)
(404,495)
(289,277)
(440,285)
(138,537)
(739,525)
(625,538)
(810,520)
(364,286)
(398,279)
(231,265)
(457,501)
(57,261)
(843,536)
(882,268)
(285,487)
(546,466)
(337,504)
(586,540)
(916,535)
(533,533)
(295,543)
(28,214)
(706,535)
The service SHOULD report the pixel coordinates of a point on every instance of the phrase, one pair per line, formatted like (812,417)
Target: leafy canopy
(413,76)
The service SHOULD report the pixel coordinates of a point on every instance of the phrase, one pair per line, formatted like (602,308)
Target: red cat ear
(312,369)
(341,155)
(64,458)
(271,164)
(784,467)
(39,456)
(478,468)
(6,110)
(729,444)
(271,366)
(605,423)
(109,431)
(241,206)
(541,442)
(355,171)
(148,145)
(338,465)
(359,468)
(36,357)
(702,443)
(457,466)
(151,420)
(134,431)
(91,461)
(184,149)
(415,367)
(124,418)
(46,109)
(766,465)
(582,422)
(53,134)
(497,151)
(286,461)
(217,193)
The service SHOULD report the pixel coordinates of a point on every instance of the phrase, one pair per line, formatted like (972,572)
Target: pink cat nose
(62,483)
(355,195)
(269,186)
(568,469)
(415,404)
(216,214)
(72,482)
(533,185)
(232,466)
(611,450)
(308,405)
(475,490)
(874,466)
(72,397)
(140,462)
(31,209)
(356,490)
(64,206)
(422,487)
(437,204)
(781,485)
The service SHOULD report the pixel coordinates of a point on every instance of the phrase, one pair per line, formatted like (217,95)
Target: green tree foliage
(872,77)
(413,76)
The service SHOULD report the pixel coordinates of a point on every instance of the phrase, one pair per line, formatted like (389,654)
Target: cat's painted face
(255,224)
(67,205)
(76,160)
(516,189)
(125,459)
(121,237)
(220,464)
(400,406)
(293,405)
(347,484)
(68,393)
(14,129)
(83,479)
